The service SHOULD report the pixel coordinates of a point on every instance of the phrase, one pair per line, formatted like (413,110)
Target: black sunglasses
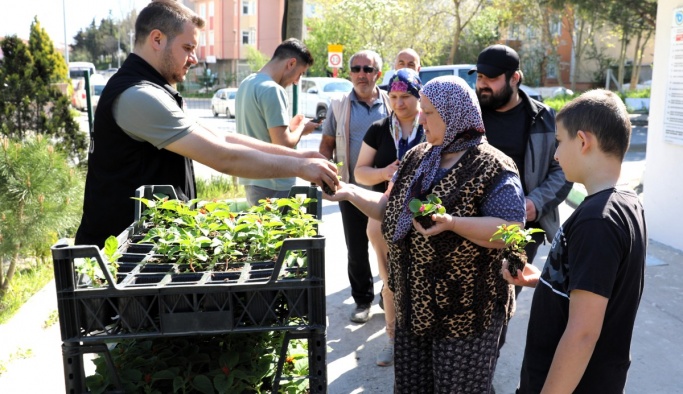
(366,69)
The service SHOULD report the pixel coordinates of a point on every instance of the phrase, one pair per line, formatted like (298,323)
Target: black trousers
(360,276)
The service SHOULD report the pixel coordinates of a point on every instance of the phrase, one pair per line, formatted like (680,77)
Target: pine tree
(30,102)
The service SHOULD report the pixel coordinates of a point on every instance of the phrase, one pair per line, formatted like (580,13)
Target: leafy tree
(17,84)
(381,25)
(463,12)
(482,31)
(255,58)
(100,43)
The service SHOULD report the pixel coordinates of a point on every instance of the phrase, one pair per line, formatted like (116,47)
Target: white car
(316,93)
(223,102)
(428,73)
(96,93)
(79,98)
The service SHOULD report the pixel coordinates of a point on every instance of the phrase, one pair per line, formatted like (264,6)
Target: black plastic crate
(144,300)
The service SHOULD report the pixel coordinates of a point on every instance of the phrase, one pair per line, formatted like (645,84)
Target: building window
(551,70)
(247,7)
(513,32)
(556,28)
(202,10)
(211,38)
(248,37)
(211,9)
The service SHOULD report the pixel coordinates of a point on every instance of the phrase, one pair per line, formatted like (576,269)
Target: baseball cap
(495,60)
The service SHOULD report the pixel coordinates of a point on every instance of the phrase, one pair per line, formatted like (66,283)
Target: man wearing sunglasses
(347,122)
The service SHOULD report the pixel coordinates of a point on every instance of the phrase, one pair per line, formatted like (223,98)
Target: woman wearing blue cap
(385,143)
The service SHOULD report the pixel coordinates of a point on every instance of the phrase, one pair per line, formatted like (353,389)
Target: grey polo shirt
(147,113)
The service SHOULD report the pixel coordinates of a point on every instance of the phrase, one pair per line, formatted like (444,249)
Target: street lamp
(66,43)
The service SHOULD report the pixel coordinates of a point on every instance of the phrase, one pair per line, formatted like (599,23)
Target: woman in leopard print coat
(451,301)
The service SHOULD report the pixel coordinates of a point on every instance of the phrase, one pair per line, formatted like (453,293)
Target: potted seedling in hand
(515,238)
(326,189)
(423,210)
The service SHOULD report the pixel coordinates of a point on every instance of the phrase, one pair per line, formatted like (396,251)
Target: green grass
(219,188)
(26,282)
(19,354)
(560,101)
(52,319)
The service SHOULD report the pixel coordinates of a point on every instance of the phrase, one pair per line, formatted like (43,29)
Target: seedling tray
(147,299)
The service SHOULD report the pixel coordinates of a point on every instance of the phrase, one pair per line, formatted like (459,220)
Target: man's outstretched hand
(320,171)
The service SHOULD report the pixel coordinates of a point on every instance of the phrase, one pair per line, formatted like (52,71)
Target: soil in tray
(230,267)
(146,279)
(131,258)
(139,248)
(185,278)
(159,268)
(262,265)
(223,277)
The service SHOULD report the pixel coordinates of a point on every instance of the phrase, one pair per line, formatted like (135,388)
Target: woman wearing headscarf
(384,144)
(451,301)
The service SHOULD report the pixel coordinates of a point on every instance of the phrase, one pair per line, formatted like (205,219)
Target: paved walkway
(657,348)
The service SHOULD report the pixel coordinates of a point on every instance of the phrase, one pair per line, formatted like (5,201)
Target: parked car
(79,99)
(223,102)
(532,93)
(428,73)
(317,93)
(96,93)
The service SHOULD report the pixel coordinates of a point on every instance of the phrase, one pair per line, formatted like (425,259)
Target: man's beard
(495,100)
(168,70)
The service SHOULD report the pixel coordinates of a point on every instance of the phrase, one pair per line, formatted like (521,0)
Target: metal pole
(66,43)
(118,50)
(295,29)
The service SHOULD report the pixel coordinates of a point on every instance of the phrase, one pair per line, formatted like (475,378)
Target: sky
(51,15)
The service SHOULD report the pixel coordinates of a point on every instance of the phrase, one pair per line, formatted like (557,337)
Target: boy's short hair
(293,48)
(602,113)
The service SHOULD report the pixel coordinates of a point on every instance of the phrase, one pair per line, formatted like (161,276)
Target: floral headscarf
(458,106)
(406,80)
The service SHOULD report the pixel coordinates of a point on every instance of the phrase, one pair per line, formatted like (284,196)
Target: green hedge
(558,102)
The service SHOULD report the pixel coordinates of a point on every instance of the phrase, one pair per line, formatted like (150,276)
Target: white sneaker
(385,357)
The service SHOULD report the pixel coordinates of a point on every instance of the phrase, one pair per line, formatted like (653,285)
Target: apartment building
(553,69)
(231,27)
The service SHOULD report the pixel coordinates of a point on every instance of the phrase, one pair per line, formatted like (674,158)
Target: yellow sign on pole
(335,56)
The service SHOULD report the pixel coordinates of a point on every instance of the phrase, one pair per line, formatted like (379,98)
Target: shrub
(39,200)
(559,101)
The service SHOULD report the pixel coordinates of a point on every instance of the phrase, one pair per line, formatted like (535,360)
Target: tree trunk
(640,56)
(578,48)
(634,67)
(4,284)
(454,47)
(622,59)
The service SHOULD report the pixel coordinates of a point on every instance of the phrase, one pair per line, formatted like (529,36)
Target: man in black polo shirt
(523,129)
(142,136)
